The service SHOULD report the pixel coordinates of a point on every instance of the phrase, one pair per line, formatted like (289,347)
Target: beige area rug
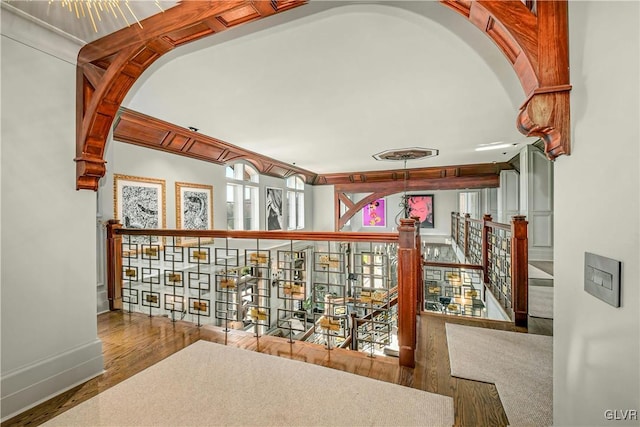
(209,384)
(520,365)
(541,301)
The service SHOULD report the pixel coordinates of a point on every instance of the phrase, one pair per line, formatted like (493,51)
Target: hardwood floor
(133,342)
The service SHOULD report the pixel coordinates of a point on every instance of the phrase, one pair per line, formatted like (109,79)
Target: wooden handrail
(452,265)
(266,235)
(505,227)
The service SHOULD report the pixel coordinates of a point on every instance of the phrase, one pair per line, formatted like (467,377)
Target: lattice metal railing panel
(454,290)
(499,267)
(304,289)
(474,254)
(376,332)
(222,283)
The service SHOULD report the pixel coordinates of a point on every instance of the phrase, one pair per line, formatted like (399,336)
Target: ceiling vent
(406,154)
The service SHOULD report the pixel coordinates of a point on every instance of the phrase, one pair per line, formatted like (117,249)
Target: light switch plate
(602,278)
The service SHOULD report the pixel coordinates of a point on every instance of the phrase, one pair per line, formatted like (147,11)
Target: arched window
(242,197)
(295,202)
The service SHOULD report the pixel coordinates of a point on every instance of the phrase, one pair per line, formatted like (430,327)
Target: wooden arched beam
(535,43)
(108,67)
(439,180)
(533,35)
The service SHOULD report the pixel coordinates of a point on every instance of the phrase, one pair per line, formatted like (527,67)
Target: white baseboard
(103,302)
(29,386)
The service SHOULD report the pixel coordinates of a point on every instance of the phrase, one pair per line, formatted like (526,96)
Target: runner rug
(209,384)
(520,365)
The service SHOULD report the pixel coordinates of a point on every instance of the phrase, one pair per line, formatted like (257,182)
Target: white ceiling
(329,84)
(63,18)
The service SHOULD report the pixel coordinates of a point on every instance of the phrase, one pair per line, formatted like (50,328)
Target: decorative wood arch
(533,35)
(536,44)
(108,67)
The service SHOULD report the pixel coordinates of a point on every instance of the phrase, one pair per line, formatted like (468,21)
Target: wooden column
(419,269)
(486,231)
(453,226)
(455,235)
(114,265)
(466,236)
(407,282)
(519,269)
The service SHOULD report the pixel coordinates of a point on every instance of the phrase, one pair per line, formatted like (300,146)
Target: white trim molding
(31,385)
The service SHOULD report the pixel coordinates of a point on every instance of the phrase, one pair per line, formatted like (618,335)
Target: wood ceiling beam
(378,190)
(373,179)
(136,128)
(449,183)
(140,129)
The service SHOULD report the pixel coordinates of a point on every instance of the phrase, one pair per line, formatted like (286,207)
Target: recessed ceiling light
(493,146)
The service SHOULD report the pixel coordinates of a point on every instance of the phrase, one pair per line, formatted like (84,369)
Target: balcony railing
(501,251)
(337,289)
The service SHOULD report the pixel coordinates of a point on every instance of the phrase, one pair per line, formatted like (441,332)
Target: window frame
(243,179)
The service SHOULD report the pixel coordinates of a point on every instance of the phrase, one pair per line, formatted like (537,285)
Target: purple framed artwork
(374,214)
(421,206)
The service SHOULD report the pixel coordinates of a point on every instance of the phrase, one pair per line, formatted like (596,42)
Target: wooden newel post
(453,226)
(486,233)
(114,265)
(419,278)
(407,291)
(467,217)
(519,269)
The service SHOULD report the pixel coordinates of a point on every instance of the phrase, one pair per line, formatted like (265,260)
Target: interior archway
(106,75)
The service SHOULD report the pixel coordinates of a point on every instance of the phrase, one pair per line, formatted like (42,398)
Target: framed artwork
(375,214)
(194,210)
(421,206)
(139,203)
(274,208)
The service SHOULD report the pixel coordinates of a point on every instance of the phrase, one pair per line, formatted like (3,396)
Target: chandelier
(95,9)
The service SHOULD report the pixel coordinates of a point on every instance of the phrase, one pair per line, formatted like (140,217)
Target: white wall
(508,195)
(596,346)
(48,308)
(128,159)
(444,202)
(536,201)
(323,213)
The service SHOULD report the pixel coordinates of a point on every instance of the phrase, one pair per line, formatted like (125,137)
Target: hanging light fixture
(404,155)
(92,9)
